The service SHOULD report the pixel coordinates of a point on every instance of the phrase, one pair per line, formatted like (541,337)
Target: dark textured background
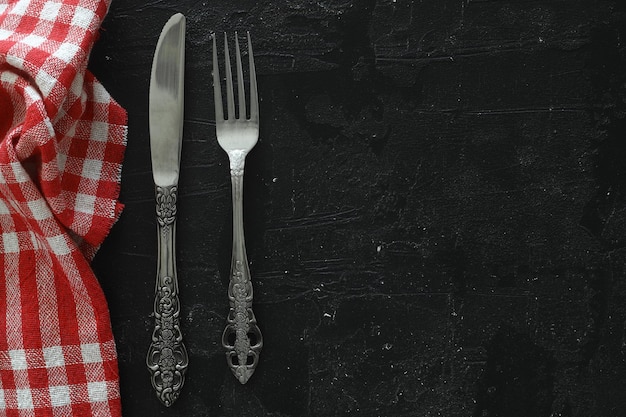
(435,211)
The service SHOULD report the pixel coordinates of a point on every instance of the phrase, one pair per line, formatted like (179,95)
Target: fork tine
(254,95)
(217,86)
(230,99)
(240,88)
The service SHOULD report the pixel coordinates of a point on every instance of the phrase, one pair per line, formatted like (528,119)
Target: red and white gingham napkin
(62,145)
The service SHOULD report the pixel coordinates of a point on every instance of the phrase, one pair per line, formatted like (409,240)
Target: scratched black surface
(435,211)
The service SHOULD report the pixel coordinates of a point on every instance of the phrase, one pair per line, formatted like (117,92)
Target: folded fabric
(62,144)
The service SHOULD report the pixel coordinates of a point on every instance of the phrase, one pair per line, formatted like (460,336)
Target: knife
(167,358)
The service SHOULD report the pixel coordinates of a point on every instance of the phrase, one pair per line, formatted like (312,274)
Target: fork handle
(167,358)
(242,337)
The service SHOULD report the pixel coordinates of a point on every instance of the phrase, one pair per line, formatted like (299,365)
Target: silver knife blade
(166,102)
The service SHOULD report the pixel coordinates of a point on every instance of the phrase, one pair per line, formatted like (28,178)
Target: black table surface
(435,212)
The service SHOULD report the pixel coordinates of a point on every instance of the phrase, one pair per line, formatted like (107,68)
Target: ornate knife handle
(242,337)
(167,358)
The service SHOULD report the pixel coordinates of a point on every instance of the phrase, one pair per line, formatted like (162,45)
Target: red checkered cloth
(63,141)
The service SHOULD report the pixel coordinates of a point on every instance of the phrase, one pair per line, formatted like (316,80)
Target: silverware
(237,134)
(167,358)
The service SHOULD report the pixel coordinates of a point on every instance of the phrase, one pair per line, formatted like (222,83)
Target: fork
(237,134)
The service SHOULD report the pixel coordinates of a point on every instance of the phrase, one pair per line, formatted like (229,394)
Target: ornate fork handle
(242,337)
(167,358)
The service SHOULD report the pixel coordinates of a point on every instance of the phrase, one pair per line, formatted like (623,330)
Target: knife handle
(167,358)
(242,337)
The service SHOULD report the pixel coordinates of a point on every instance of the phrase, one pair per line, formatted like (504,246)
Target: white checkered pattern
(63,141)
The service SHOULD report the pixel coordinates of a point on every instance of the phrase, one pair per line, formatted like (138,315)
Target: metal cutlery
(167,358)
(237,133)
